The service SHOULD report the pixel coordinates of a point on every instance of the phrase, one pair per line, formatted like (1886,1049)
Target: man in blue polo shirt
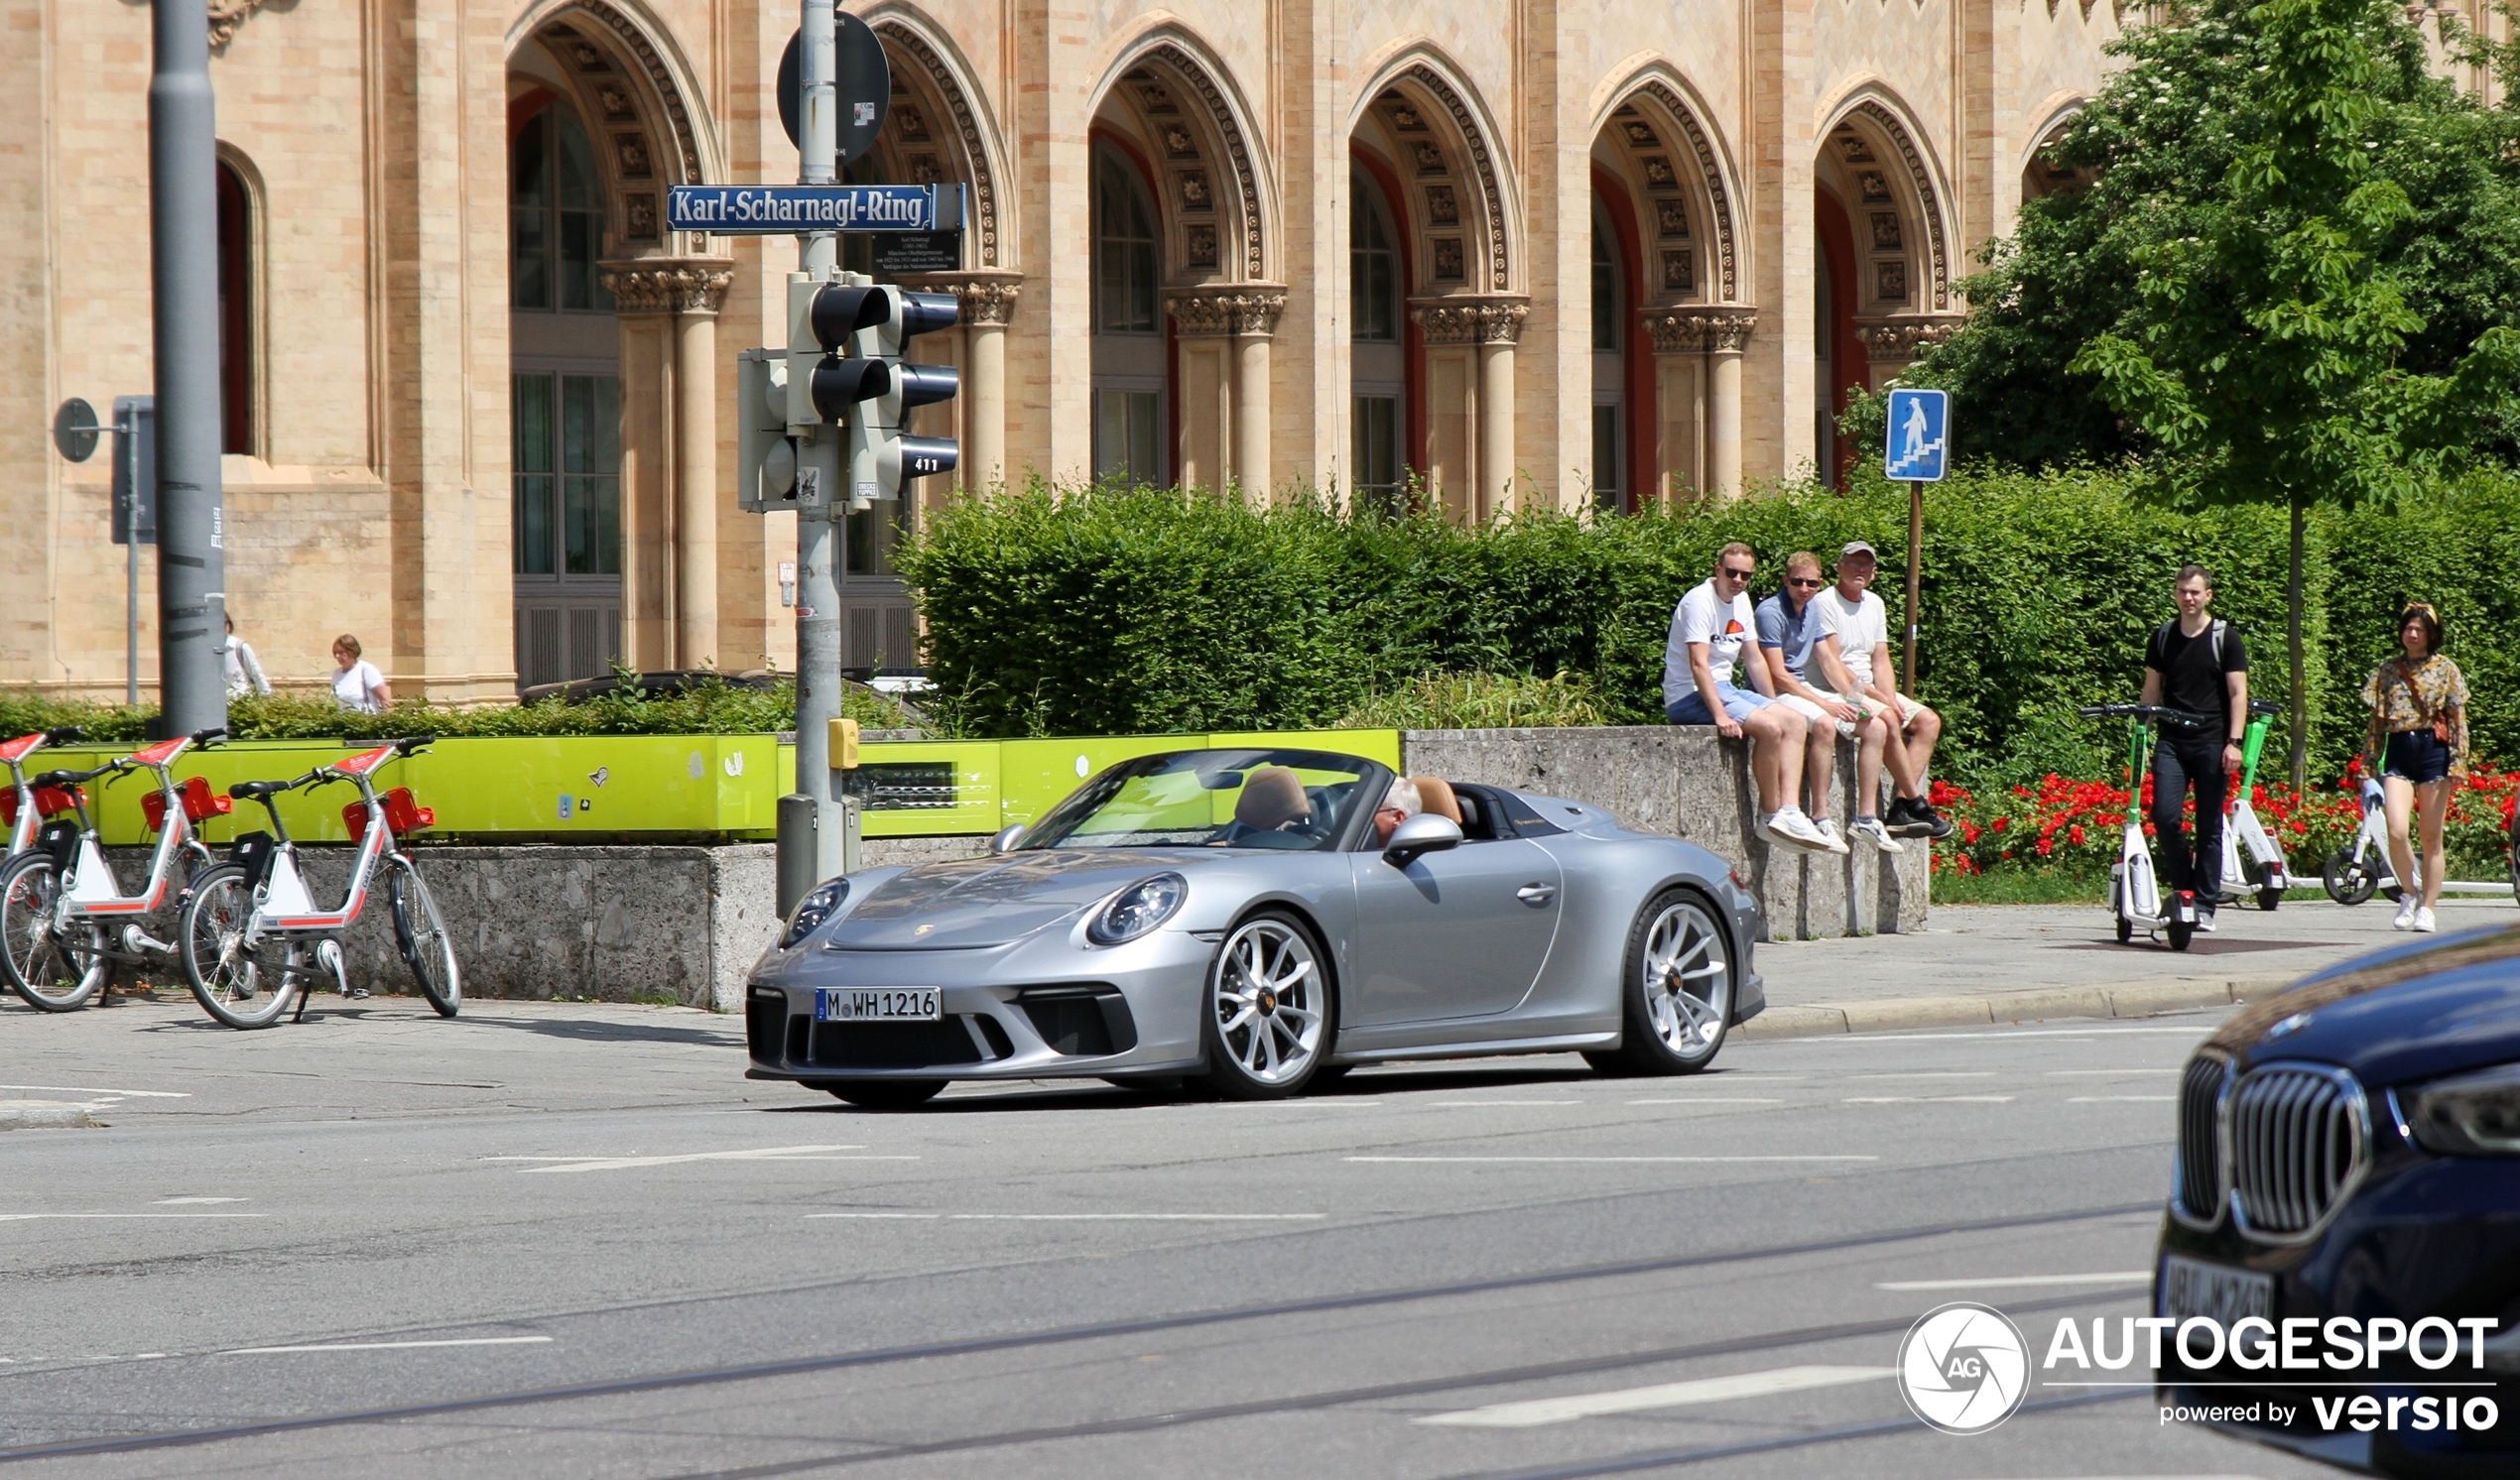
(1786,628)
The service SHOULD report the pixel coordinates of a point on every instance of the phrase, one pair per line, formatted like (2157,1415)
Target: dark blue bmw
(2350,1148)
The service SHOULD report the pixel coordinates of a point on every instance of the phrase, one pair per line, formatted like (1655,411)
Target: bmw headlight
(1138,909)
(2471,1115)
(813,909)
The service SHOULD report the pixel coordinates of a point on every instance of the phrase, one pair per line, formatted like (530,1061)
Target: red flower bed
(2075,827)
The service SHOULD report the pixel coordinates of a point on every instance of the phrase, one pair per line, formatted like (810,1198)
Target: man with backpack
(2196,661)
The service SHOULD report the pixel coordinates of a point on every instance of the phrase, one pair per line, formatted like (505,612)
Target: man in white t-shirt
(1709,629)
(1852,652)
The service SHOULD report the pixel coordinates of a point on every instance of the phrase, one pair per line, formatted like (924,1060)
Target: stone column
(1493,323)
(1727,331)
(675,622)
(1224,362)
(988,299)
(1680,401)
(1892,345)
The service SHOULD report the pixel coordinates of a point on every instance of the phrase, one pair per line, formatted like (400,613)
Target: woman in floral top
(2419,748)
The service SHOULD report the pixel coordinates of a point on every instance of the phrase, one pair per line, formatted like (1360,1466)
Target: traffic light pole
(183,278)
(819,468)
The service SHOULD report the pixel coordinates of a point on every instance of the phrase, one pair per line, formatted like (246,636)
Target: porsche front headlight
(1138,909)
(2469,1115)
(813,909)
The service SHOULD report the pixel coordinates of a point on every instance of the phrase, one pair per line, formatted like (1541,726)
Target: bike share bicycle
(2134,890)
(59,902)
(26,807)
(251,936)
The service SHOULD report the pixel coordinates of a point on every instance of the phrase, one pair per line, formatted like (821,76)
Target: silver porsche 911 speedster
(1266,919)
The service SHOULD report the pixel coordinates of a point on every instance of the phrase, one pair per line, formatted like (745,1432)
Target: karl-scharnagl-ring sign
(781,211)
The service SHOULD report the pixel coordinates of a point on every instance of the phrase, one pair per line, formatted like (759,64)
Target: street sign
(75,429)
(789,210)
(919,252)
(1920,426)
(136,468)
(862,85)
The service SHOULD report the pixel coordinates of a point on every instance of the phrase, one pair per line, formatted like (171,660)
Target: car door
(1459,934)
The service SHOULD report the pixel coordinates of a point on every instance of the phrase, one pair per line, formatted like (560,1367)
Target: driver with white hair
(1399,804)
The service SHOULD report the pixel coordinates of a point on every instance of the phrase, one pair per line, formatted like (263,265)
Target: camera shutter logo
(1963,1368)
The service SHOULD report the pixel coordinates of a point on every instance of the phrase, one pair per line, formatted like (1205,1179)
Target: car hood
(972,903)
(2410,1013)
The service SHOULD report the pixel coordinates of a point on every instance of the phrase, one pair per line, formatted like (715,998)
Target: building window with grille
(565,509)
(1129,354)
(1377,361)
(556,216)
(237,308)
(1610,368)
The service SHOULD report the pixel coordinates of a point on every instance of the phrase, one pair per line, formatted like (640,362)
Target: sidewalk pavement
(2007,963)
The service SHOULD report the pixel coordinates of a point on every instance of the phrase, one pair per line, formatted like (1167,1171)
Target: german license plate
(875,1004)
(2191,1286)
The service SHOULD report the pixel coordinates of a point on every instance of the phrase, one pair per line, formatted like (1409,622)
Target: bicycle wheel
(240,985)
(51,969)
(422,933)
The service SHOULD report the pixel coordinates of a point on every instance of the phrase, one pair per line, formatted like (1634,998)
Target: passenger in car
(1399,804)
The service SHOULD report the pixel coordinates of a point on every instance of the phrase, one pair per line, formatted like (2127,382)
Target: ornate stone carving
(988,295)
(1901,339)
(1694,328)
(1221,308)
(1246,180)
(1719,204)
(226,16)
(966,127)
(1482,167)
(1939,288)
(1472,319)
(669,285)
(627,36)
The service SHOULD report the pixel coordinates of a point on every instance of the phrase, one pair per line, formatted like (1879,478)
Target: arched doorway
(1384,448)
(1614,336)
(1132,360)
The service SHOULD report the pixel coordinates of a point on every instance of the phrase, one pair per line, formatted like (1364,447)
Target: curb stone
(2100,1000)
(30,1115)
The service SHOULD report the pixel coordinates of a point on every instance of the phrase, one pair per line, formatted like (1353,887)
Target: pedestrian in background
(358,689)
(243,670)
(2196,661)
(2419,748)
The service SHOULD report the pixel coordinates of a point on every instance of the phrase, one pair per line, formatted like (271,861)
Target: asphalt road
(571,1241)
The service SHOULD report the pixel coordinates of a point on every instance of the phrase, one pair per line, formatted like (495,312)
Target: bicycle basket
(402,815)
(50,801)
(200,803)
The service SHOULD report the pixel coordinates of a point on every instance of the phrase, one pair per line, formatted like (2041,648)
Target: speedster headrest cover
(1272,797)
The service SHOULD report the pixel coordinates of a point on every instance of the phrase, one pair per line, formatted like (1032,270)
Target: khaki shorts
(1909,710)
(1805,707)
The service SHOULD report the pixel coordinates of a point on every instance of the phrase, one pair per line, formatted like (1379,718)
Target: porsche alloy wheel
(1269,1009)
(1676,1002)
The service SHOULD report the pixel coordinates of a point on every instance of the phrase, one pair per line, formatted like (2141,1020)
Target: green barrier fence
(684,788)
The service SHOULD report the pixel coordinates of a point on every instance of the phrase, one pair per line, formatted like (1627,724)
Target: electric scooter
(2352,874)
(2134,890)
(2265,872)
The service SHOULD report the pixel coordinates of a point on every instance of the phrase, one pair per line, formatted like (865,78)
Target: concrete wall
(1689,784)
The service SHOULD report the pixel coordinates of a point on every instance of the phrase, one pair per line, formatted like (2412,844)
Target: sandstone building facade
(479,400)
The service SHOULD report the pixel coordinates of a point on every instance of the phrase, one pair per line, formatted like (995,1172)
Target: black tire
(2125,930)
(887,1094)
(240,987)
(1271,1014)
(2181,933)
(1673,1015)
(421,933)
(2345,882)
(52,970)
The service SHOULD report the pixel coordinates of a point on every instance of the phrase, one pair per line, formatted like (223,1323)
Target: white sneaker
(2424,922)
(1871,831)
(1791,828)
(1828,830)
(1761,828)
(2406,913)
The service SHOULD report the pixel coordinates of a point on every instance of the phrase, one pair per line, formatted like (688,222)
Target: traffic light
(845,366)
(766,468)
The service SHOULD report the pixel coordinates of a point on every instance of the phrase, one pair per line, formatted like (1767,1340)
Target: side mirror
(1007,837)
(1423,834)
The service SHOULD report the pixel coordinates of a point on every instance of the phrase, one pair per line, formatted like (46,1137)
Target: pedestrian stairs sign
(1919,426)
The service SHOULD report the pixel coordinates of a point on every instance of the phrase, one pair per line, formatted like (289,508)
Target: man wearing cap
(1852,654)
(1709,628)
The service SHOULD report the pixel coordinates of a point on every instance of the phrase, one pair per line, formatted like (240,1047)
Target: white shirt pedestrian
(357,686)
(244,672)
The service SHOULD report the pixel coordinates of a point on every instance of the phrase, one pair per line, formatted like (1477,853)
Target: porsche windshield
(1294,800)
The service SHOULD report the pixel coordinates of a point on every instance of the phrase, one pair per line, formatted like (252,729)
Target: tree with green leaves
(2294,277)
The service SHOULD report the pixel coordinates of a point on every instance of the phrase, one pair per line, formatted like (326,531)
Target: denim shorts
(1691,707)
(2419,756)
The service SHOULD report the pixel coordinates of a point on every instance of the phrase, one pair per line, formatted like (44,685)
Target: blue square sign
(1920,426)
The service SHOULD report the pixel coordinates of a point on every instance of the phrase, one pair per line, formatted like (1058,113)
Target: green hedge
(1131,610)
(713,708)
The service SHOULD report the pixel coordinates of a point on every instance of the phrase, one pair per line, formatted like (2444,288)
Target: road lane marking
(128,1094)
(1708,1100)
(1573,1160)
(1089,1217)
(1932,1099)
(2124,1099)
(266,1351)
(2200,1031)
(1534,1413)
(1929,1074)
(1992,1281)
(759,1154)
(204,1201)
(27,1217)
(2098,1073)
(1484,1104)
